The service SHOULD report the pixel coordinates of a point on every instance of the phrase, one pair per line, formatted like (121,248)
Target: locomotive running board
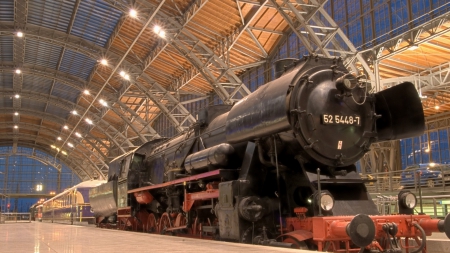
(210,174)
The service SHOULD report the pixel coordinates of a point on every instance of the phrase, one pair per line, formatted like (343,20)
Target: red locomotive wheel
(150,225)
(296,243)
(164,223)
(196,227)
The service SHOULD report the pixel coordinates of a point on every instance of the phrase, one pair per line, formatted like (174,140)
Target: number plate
(336,119)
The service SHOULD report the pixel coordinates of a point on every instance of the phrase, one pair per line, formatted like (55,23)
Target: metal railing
(14,217)
(436,206)
(396,180)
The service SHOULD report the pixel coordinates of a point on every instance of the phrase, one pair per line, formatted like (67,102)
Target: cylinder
(216,156)
(143,197)
(283,65)
(263,112)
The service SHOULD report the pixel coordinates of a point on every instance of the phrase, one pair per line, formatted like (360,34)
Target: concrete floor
(36,237)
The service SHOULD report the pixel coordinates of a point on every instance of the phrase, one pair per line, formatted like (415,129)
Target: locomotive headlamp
(346,82)
(326,202)
(408,200)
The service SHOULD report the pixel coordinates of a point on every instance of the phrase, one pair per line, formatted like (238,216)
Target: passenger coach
(71,206)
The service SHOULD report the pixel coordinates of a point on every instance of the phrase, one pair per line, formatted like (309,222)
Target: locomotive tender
(277,168)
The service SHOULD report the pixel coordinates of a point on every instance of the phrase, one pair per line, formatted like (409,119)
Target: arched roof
(206,46)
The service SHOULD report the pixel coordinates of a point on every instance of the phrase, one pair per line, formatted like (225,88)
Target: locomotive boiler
(277,168)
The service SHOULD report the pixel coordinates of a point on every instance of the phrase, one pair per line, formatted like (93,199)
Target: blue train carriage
(72,205)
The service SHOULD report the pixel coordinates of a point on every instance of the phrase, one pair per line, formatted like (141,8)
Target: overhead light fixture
(413,47)
(104,62)
(59,138)
(103,102)
(19,34)
(86,92)
(122,73)
(57,149)
(16,113)
(436,107)
(66,127)
(78,134)
(158,30)
(64,152)
(17,96)
(16,126)
(74,112)
(133,13)
(127,77)
(53,146)
(88,121)
(70,144)
(18,71)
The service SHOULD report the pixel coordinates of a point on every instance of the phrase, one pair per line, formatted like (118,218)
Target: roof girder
(96,52)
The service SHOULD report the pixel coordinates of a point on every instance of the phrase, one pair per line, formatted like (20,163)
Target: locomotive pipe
(213,156)
(360,229)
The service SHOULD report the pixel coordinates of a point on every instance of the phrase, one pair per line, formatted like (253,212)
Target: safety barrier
(14,217)
(436,206)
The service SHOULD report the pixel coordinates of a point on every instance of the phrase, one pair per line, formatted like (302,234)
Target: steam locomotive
(277,168)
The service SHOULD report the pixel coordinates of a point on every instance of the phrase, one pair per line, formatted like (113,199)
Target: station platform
(37,237)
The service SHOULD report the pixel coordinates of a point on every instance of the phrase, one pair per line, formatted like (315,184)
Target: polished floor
(38,237)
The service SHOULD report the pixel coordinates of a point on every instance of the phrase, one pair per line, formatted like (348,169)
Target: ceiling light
(104,62)
(74,112)
(53,146)
(16,113)
(57,149)
(436,107)
(413,47)
(66,127)
(59,138)
(88,121)
(103,102)
(18,71)
(19,34)
(17,96)
(127,77)
(86,92)
(78,134)
(133,13)
(156,29)
(162,34)
(64,152)
(70,144)
(16,126)
(122,73)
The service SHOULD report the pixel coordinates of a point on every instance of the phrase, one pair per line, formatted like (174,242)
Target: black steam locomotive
(277,168)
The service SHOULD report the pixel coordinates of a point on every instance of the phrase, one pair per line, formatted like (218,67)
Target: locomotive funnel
(401,112)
